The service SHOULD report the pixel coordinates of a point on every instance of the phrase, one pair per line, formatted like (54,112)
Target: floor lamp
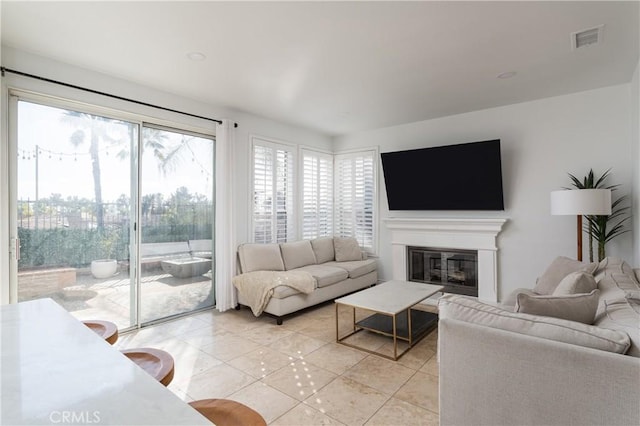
(581,202)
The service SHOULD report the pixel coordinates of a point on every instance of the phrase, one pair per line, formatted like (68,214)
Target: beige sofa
(338,266)
(500,367)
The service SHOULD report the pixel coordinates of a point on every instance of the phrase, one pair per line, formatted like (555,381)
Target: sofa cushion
(346,249)
(615,278)
(284,291)
(611,265)
(560,268)
(356,268)
(510,301)
(260,257)
(323,249)
(623,315)
(470,310)
(297,254)
(325,275)
(575,283)
(573,307)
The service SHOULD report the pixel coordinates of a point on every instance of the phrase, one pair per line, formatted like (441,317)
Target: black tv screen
(453,177)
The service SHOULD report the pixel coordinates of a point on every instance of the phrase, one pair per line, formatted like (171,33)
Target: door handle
(16,248)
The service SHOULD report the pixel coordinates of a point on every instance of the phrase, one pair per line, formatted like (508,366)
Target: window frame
(257,140)
(374,153)
(319,154)
(298,181)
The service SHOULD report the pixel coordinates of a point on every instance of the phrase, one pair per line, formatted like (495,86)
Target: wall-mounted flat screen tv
(454,177)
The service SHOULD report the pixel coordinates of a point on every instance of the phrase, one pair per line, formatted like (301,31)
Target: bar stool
(158,363)
(105,329)
(224,412)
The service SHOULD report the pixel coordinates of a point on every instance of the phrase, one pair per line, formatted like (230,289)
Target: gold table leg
(395,340)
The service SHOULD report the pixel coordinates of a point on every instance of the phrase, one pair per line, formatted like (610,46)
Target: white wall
(542,141)
(248,125)
(635,138)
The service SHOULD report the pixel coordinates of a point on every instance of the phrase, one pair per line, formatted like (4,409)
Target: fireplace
(456,270)
(464,234)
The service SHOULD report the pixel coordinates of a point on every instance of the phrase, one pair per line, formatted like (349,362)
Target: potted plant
(605,228)
(105,268)
(602,229)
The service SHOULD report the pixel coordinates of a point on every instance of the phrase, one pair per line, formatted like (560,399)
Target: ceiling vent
(585,38)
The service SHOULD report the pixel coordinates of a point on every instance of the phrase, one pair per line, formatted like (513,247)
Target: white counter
(55,370)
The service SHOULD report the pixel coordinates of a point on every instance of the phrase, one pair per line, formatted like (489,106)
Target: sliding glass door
(74,212)
(176,247)
(81,184)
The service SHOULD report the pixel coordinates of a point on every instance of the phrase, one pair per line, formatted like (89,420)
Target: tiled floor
(295,374)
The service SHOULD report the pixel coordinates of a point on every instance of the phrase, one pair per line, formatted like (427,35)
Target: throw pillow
(560,268)
(575,307)
(575,283)
(323,248)
(346,249)
(297,254)
(260,257)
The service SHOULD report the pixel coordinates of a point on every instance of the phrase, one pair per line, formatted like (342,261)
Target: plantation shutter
(355,195)
(317,194)
(273,192)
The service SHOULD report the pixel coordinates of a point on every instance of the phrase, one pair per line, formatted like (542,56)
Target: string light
(28,154)
(203,169)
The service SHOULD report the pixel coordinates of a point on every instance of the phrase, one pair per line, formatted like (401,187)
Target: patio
(87,297)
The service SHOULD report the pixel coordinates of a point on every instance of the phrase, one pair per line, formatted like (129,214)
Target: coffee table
(392,303)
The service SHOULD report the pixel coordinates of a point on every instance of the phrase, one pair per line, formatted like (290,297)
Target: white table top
(391,297)
(54,368)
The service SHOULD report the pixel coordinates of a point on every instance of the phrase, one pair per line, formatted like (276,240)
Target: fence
(66,233)
(81,214)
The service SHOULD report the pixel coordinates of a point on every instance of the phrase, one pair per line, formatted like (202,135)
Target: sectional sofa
(529,365)
(338,266)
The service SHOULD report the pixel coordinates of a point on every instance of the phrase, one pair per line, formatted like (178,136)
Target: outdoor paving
(109,299)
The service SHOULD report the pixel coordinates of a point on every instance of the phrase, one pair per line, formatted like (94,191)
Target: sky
(65,169)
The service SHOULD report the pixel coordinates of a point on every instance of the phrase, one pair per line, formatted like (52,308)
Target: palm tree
(118,135)
(96,129)
(159,143)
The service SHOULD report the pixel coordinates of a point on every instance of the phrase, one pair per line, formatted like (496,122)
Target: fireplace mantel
(453,233)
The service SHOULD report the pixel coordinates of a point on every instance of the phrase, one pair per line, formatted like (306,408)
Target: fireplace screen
(456,270)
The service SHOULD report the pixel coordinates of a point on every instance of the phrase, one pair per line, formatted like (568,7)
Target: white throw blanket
(256,288)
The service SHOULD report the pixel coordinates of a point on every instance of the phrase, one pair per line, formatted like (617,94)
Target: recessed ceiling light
(196,56)
(507,74)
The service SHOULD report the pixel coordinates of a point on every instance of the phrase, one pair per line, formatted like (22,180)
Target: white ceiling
(337,67)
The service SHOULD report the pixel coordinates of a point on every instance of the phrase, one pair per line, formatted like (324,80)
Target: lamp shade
(581,202)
